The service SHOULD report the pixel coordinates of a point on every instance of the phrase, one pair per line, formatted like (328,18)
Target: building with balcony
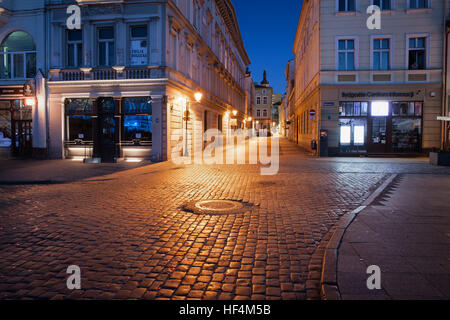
(120,86)
(369,91)
(23,99)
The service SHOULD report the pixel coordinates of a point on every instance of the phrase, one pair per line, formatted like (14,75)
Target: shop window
(74,48)
(18,56)
(380,109)
(353,109)
(407,109)
(106,47)
(139,45)
(406,135)
(79,120)
(345,137)
(137,120)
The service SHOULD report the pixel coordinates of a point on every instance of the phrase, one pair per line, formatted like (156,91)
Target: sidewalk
(406,234)
(18,172)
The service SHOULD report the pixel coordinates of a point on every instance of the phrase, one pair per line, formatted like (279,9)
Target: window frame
(391,4)
(355,50)
(372,50)
(107,41)
(130,39)
(428,5)
(346,6)
(24,55)
(427,50)
(75,43)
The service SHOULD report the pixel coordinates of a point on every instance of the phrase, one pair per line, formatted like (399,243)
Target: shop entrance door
(379,135)
(108,127)
(21,130)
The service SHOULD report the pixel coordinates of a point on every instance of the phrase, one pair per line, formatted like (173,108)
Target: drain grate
(216,207)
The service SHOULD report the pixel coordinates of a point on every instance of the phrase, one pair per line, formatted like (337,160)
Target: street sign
(312,114)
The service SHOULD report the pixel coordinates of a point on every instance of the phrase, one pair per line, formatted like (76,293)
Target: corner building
(369,91)
(122,85)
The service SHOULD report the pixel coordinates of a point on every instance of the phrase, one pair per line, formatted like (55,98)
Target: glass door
(108,127)
(379,125)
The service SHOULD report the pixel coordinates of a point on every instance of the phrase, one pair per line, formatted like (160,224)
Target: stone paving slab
(132,239)
(407,235)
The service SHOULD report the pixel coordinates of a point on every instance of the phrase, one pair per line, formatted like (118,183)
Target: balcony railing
(114,73)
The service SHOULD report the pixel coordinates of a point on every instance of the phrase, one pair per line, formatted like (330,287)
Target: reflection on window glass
(345,134)
(137,105)
(79,128)
(406,135)
(138,127)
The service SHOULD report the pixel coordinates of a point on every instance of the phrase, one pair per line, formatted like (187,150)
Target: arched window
(18,56)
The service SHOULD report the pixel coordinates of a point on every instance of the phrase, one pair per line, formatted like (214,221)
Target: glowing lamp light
(30,102)
(249,118)
(234,113)
(198,96)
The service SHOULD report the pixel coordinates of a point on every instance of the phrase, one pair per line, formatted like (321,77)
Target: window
(345,135)
(264,100)
(407,109)
(258,113)
(258,100)
(74,48)
(18,56)
(346,5)
(346,54)
(79,120)
(138,46)
(381,54)
(383,4)
(417,53)
(418,4)
(380,109)
(264,113)
(106,47)
(137,120)
(354,109)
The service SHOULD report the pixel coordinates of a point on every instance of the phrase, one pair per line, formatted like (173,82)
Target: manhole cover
(216,207)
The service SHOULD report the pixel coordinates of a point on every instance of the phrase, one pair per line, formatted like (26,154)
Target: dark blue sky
(268,29)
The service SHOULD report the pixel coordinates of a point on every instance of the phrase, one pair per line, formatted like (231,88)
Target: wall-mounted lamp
(198,96)
(235,113)
(30,102)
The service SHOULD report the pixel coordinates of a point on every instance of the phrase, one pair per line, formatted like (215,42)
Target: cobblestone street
(132,239)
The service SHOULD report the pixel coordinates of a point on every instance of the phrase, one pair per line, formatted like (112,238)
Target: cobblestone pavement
(132,239)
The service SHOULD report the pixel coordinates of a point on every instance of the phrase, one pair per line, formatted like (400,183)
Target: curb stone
(329,289)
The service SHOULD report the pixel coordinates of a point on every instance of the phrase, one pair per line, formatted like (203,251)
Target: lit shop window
(18,56)
(346,135)
(353,109)
(407,109)
(380,109)
(359,135)
(79,120)
(137,120)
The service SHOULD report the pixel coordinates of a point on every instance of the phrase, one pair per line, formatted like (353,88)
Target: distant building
(290,101)
(276,104)
(262,113)
(361,91)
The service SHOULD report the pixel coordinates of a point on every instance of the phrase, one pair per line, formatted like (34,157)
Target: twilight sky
(268,29)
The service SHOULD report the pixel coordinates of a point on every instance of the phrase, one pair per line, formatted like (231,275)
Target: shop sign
(11,91)
(370,94)
(139,53)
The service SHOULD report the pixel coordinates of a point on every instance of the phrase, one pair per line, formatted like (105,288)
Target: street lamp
(235,113)
(198,96)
